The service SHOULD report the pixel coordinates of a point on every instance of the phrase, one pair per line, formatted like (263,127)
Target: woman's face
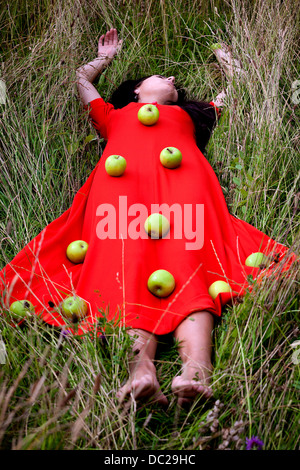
(157,88)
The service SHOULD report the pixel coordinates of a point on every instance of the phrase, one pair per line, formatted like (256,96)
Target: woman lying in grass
(195,353)
(189,310)
(176,281)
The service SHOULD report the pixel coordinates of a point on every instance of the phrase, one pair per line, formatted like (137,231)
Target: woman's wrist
(105,58)
(219,100)
(91,70)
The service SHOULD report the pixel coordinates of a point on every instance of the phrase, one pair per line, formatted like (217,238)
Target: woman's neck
(151,98)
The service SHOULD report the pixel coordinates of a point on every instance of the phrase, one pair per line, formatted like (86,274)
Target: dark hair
(202,113)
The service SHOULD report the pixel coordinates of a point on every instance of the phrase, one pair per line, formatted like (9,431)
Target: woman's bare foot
(194,334)
(143,384)
(193,382)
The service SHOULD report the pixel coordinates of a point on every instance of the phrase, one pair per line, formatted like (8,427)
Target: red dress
(210,245)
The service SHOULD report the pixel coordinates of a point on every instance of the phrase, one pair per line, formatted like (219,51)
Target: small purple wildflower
(254,442)
(65,332)
(103,340)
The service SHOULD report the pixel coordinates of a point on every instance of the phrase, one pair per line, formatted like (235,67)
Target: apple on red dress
(76,251)
(21,309)
(157,225)
(218,287)
(115,165)
(74,308)
(256,259)
(161,283)
(170,157)
(148,114)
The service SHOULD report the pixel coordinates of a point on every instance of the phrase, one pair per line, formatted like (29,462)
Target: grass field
(59,392)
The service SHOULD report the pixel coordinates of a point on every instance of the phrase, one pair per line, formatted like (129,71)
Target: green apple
(76,251)
(215,46)
(74,308)
(148,114)
(255,259)
(157,225)
(21,309)
(217,287)
(115,165)
(170,157)
(161,283)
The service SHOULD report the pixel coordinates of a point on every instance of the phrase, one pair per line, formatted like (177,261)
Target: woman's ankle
(142,361)
(203,364)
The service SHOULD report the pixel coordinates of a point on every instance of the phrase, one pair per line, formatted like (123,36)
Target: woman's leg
(194,333)
(142,382)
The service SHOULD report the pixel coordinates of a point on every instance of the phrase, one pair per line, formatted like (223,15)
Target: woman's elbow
(80,75)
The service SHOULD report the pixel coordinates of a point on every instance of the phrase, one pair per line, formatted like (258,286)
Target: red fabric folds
(205,243)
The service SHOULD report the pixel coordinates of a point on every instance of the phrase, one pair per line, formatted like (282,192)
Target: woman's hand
(230,66)
(109,45)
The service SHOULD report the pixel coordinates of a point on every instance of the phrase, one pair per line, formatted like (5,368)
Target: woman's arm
(230,66)
(108,47)
(219,100)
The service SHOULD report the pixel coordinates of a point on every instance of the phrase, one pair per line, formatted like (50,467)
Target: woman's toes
(204,390)
(179,384)
(187,390)
(143,388)
(160,398)
(122,393)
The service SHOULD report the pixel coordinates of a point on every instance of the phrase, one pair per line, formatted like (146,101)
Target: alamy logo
(296,353)
(188,221)
(296,94)
(3,352)
(2,92)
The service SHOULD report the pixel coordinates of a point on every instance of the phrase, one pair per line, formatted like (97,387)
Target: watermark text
(127,221)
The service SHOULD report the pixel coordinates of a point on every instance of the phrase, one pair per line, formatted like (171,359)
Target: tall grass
(58,392)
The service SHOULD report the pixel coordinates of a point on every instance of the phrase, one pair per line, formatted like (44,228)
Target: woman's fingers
(119,45)
(109,39)
(106,39)
(100,42)
(111,34)
(115,37)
